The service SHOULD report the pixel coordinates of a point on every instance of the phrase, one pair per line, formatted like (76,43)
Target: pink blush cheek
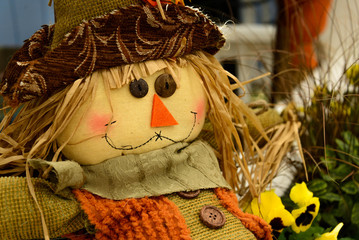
(201,110)
(97,123)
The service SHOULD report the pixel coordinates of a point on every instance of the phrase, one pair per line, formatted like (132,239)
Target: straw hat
(97,34)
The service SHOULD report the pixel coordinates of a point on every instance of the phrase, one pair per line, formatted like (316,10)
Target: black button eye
(165,85)
(139,88)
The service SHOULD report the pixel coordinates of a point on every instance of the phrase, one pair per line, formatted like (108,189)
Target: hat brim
(125,36)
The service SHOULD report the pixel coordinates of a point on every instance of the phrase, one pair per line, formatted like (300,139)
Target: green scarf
(178,167)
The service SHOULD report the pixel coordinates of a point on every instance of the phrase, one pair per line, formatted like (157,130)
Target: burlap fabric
(70,13)
(127,35)
(232,229)
(20,218)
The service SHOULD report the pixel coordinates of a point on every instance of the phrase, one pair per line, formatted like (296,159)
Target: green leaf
(326,177)
(318,218)
(355,213)
(342,171)
(317,185)
(351,230)
(350,139)
(350,188)
(288,203)
(356,177)
(329,219)
(338,212)
(332,197)
(329,152)
(311,233)
(345,206)
(350,146)
(322,192)
(342,209)
(328,162)
(343,150)
(342,145)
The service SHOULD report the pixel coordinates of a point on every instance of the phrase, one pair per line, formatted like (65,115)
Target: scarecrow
(102,134)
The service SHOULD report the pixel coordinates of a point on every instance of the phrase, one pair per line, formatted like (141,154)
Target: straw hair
(33,132)
(267,159)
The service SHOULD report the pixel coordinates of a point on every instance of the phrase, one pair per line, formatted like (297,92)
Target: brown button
(189,194)
(212,217)
(139,88)
(165,85)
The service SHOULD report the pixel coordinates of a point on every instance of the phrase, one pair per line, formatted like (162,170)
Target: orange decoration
(306,20)
(161,117)
(148,218)
(154,2)
(255,224)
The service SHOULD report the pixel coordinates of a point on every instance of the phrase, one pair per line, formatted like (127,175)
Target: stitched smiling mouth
(156,137)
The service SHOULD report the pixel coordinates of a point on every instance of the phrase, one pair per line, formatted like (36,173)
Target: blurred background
(19,19)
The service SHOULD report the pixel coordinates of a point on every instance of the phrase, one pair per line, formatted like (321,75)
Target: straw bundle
(265,159)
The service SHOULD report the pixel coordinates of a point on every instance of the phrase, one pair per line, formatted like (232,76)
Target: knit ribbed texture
(190,209)
(20,218)
(70,13)
(258,226)
(152,218)
(171,217)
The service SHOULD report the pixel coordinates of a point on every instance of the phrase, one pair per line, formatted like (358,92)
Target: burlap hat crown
(98,34)
(70,13)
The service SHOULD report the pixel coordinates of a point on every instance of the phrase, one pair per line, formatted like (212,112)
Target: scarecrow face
(147,114)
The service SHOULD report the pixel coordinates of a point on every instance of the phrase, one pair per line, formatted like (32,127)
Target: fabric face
(117,123)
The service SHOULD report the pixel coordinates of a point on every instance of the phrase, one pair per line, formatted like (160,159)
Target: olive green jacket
(178,167)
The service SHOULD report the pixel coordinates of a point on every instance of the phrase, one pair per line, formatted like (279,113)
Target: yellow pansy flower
(300,194)
(305,215)
(271,209)
(280,219)
(333,235)
(308,207)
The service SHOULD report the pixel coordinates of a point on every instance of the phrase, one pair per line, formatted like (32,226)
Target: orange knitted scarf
(255,224)
(145,218)
(153,218)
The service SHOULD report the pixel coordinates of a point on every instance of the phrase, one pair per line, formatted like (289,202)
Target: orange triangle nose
(161,117)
